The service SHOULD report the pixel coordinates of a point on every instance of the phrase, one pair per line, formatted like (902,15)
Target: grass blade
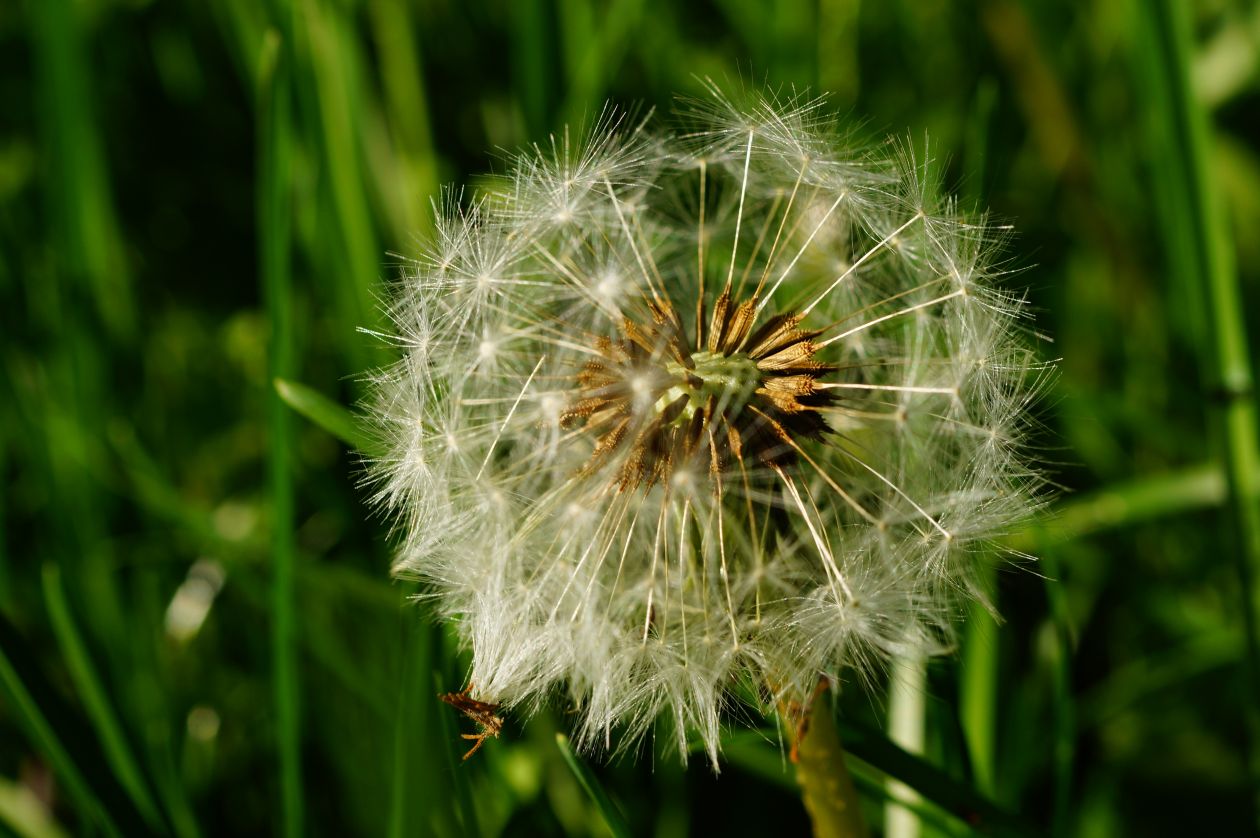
(930,782)
(275,160)
(751,752)
(1127,504)
(874,754)
(93,695)
(328,84)
(1197,226)
(422,800)
(89,240)
(328,415)
(613,818)
(406,101)
(978,688)
(531,62)
(64,739)
(465,806)
(906,723)
(1064,722)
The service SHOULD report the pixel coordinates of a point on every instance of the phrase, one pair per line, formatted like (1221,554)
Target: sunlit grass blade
(906,727)
(613,818)
(273,200)
(327,80)
(328,415)
(406,102)
(93,694)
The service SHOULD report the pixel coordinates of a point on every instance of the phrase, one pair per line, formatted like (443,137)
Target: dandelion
(687,415)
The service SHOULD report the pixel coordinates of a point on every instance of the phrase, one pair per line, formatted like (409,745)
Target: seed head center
(729,380)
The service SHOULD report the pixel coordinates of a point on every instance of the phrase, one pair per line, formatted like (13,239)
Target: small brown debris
(485,714)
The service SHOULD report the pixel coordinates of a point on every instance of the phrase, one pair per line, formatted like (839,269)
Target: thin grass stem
(274,151)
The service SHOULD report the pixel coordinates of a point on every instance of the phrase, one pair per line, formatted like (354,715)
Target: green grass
(275,196)
(1202,226)
(201,206)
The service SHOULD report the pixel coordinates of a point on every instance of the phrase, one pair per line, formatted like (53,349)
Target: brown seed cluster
(657,400)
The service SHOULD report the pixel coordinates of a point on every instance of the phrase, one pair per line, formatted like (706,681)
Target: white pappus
(684,413)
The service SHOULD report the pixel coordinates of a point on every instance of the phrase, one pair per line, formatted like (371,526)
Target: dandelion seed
(681,411)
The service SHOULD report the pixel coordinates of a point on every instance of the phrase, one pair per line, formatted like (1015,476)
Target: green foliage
(613,819)
(198,203)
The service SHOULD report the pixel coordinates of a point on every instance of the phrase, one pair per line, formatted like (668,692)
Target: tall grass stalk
(1204,230)
(82,205)
(328,87)
(93,693)
(979,652)
(275,160)
(906,711)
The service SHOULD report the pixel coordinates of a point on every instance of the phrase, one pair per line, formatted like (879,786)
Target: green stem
(273,230)
(1064,709)
(1228,364)
(906,722)
(978,686)
(826,786)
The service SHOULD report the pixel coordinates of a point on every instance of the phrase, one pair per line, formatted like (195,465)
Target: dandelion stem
(826,786)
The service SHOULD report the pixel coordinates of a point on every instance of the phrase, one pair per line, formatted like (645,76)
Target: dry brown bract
(485,714)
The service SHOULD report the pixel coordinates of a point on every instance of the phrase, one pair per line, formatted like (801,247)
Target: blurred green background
(197,197)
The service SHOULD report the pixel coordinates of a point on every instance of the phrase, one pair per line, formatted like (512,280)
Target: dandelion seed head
(734,402)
